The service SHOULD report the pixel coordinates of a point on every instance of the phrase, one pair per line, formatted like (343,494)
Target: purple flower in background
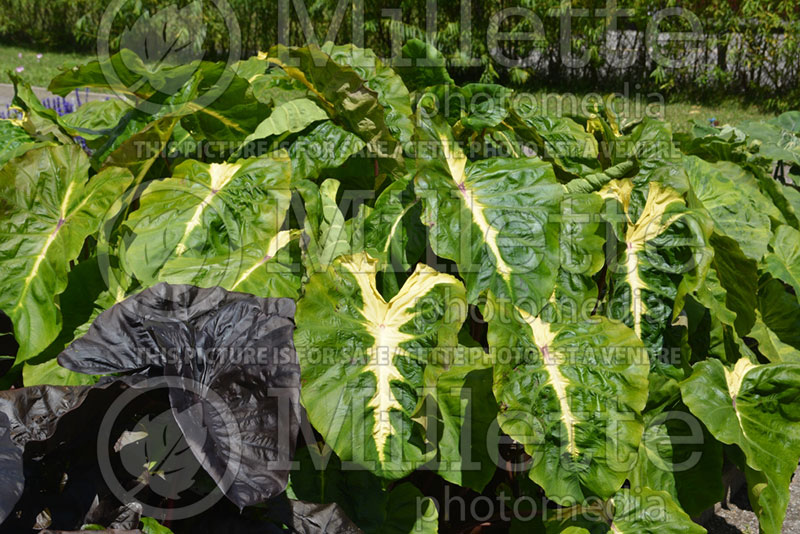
(10,113)
(20,68)
(19,55)
(38,57)
(60,105)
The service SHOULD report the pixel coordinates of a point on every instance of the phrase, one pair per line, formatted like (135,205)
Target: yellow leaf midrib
(733,380)
(220,175)
(278,241)
(383,321)
(456,163)
(62,220)
(648,226)
(544,337)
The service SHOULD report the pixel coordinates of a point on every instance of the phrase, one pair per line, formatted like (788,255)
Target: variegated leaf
(754,407)
(629,511)
(208,217)
(49,206)
(363,359)
(571,394)
(662,256)
(496,218)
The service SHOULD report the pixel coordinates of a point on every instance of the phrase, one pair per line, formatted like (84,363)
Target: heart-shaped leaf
(235,345)
(363,359)
(496,218)
(49,208)
(754,407)
(571,394)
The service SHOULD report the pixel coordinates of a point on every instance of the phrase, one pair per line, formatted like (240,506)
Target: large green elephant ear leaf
(483,106)
(37,120)
(725,143)
(275,87)
(679,456)
(731,285)
(663,256)
(789,121)
(581,254)
(326,236)
(210,224)
(496,218)
(387,84)
(363,359)
(776,324)
(344,95)
(650,142)
(231,115)
(558,139)
(734,202)
(264,269)
(289,117)
(756,408)
(393,232)
(140,151)
(325,146)
(773,140)
(783,262)
(572,395)
(781,196)
(15,141)
(425,66)
(462,401)
(49,207)
(770,344)
(630,511)
(98,119)
(125,64)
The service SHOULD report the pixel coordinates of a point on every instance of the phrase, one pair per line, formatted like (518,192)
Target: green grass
(680,114)
(37,71)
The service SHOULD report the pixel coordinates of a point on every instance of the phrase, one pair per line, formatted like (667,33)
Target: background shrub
(748,46)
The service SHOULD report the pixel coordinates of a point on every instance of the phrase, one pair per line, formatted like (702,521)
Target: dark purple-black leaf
(233,358)
(28,414)
(31,425)
(280,515)
(11,477)
(313,518)
(108,511)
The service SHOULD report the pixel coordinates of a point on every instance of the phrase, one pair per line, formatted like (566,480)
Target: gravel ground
(738,518)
